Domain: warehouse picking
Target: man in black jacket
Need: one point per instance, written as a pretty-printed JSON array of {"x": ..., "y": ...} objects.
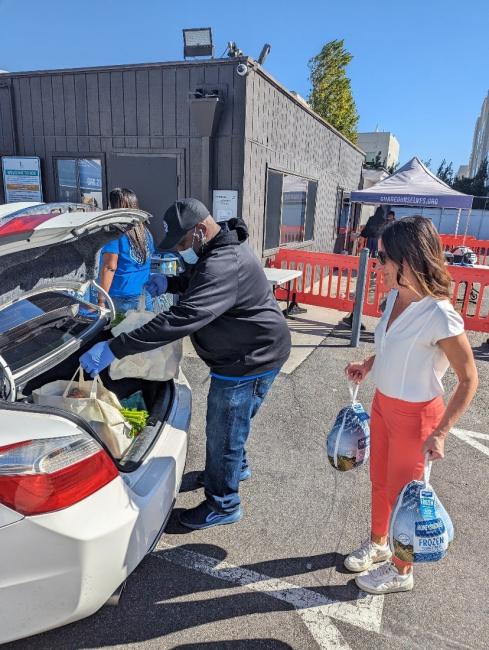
[
  {"x": 227, "y": 308},
  {"x": 373, "y": 229}
]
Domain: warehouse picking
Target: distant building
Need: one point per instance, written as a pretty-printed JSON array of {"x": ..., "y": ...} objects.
[
  {"x": 380, "y": 141},
  {"x": 463, "y": 172},
  {"x": 480, "y": 143}
]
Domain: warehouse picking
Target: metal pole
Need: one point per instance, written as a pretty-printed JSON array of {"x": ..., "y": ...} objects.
[
  {"x": 347, "y": 227},
  {"x": 467, "y": 225},
  {"x": 458, "y": 220},
  {"x": 359, "y": 298}
]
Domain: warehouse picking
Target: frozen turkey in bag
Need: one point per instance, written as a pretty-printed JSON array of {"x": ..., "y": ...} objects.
[
  {"x": 348, "y": 442},
  {"x": 420, "y": 529}
]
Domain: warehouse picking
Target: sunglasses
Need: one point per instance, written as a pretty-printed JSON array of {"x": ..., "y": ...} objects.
[{"x": 382, "y": 257}]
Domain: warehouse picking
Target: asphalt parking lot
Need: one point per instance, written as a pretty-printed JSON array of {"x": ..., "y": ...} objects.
[{"x": 276, "y": 579}]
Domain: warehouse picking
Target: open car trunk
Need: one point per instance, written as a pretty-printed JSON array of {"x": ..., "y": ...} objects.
[
  {"x": 157, "y": 397},
  {"x": 47, "y": 319}
]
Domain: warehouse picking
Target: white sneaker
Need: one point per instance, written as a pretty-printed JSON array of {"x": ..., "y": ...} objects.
[
  {"x": 385, "y": 579},
  {"x": 366, "y": 556}
]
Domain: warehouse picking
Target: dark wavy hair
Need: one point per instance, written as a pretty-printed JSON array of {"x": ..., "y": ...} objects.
[
  {"x": 121, "y": 197},
  {"x": 414, "y": 241}
]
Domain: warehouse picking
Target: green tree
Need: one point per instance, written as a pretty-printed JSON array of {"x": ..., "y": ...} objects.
[
  {"x": 477, "y": 186},
  {"x": 331, "y": 96},
  {"x": 445, "y": 172},
  {"x": 479, "y": 182}
]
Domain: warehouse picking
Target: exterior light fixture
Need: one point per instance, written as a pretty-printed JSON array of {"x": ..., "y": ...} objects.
[{"x": 197, "y": 42}]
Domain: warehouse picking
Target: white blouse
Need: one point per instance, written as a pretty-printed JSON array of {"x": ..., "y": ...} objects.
[{"x": 409, "y": 365}]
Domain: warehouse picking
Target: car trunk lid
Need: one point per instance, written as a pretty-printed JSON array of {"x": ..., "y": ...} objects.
[{"x": 42, "y": 250}]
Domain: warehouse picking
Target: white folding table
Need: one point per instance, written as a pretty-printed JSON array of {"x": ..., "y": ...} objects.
[{"x": 280, "y": 277}]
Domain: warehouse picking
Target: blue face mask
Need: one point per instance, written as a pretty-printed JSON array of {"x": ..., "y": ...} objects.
[{"x": 189, "y": 256}]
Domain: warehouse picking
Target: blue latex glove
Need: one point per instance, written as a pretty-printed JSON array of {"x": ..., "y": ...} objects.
[
  {"x": 156, "y": 285},
  {"x": 97, "y": 358}
]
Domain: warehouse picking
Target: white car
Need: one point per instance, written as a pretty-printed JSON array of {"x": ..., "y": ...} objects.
[{"x": 74, "y": 522}]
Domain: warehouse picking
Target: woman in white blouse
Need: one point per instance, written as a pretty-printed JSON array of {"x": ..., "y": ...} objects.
[{"x": 418, "y": 337}]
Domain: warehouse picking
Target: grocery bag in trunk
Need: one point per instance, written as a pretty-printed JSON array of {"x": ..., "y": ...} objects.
[
  {"x": 94, "y": 403},
  {"x": 348, "y": 442},
  {"x": 160, "y": 364},
  {"x": 420, "y": 529}
]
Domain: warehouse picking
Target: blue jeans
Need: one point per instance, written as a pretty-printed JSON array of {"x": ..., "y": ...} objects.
[{"x": 231, "y": 405}]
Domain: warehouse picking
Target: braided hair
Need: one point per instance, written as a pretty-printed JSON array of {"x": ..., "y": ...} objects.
[{"x": 121, "y": 197}]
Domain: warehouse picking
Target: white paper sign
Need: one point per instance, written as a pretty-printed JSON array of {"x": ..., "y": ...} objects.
[
  {"x": 22, "y": 179},
  {"x": 224, "y": 204}
]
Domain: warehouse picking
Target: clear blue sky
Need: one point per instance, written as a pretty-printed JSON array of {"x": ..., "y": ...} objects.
[{"x": 421, "y": 68}]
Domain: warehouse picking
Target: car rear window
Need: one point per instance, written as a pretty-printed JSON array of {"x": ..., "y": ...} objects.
[{"x": 32, "y": 328}]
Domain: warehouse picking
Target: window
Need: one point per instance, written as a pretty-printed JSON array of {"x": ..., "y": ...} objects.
[
  {"x": 80, "y": 180},
  {"x": 341, "y": 210},
  {"x": 290, "y": 211}
]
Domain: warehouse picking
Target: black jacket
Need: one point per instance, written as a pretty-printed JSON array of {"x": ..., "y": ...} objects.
[
  {"x": 226, "y": 306},
  {"x": 374, "y": 225}
]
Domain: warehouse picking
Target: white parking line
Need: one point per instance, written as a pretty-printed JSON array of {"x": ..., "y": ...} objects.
[
  {"x": 315, "y": 610},
  {"x": 472, "y": 438}
]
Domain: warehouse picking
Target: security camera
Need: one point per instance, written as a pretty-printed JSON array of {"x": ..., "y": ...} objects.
[{"x": 242, "y": 70}]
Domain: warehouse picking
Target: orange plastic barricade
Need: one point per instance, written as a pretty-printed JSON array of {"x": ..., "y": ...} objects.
[
  {"x": 329, "y": 280},
  {"x": 470, "y": 296},
  {"x": 375, "y": 290},
  {"x": 481, "y": 249},
  {"x": 479, "y": 246}
]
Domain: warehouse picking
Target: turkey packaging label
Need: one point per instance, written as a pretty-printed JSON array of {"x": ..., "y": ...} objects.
[{"x": 420, "y": 528}]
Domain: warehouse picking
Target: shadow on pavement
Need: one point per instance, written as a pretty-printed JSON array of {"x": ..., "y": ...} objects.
[
  {"x": 342, "y": 331},
  {"x": 162, "y": 598},
  {"x": 482, "y": 352},
  {"x": 189, "y": 482},
  {"x": 265, "y": 644}
]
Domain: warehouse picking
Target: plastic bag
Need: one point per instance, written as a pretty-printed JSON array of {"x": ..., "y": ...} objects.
[
  {"x": 160, "y": 364},
  {"x": 348, "y": 442},
  {"x": 420, "y": 529},
  {"x": 94, "y": 403}
]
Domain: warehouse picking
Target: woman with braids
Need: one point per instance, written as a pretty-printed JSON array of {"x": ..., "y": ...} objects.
[
  {"x": 125, "y": 262},
  {"x": 418, "y": 337}
]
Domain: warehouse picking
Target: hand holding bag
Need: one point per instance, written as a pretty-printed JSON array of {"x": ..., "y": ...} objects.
[
  {"x": 160, "y": 364},
  {"x": 420, "y": 529}
]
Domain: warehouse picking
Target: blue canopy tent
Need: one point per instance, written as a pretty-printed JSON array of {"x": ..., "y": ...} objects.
[{"x": 416, "y": 186}]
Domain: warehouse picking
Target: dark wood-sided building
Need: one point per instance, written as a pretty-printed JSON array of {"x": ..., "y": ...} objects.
[{"x": 221, "y": 130}]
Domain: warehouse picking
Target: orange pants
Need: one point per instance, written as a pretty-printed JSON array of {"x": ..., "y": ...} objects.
[{"x": 398, "y": 430}]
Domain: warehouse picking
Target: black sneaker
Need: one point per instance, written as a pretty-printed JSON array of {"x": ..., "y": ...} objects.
[
  {"x": 348, "y": 320},
  {"x": 203, "y": 516}
]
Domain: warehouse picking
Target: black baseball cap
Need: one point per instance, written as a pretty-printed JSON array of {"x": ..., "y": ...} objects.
[{"x": 181, "y": 217}]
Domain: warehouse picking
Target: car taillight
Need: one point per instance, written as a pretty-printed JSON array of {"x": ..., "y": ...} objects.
[
  {"x": 22, "y": 225},
  {"x": 40, "y": 476}
]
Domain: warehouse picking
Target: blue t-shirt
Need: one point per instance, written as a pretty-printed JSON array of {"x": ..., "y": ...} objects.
[{"x": 130, "y": 275}]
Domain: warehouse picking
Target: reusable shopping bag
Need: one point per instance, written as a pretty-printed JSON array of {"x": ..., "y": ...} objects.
[
  {"x": 94, "y": 403},
  {"x": 420, "y": 529},
  {"x": 348, "y": 442},
  {"x": 160, "y": 364}
]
